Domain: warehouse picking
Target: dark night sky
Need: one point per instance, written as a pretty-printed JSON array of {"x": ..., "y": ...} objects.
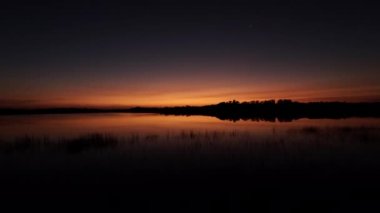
[{"x": 187, "y": 52}]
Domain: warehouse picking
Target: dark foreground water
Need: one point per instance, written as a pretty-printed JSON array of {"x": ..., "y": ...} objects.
[{"x": 151, "y": 163}]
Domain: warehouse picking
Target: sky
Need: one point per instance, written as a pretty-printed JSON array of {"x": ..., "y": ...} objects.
[{"x": 165, "y": 53}]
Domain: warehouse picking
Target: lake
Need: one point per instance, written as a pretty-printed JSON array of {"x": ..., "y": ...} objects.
[
  {"x": 123, "y": 124},
  {"x": 146, "y": 162}
]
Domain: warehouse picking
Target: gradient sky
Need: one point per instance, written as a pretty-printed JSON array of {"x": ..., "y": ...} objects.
[{"x": 155, "y": 53}]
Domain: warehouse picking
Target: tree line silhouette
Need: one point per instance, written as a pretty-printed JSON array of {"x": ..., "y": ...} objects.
[{"x": 269, "y": 110}]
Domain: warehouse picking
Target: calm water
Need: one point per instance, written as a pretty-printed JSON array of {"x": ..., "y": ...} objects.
[
  {"x": 198, "y": 141},
  {"x": 145, "y": 162},
  {"x": 124, "y": 124}
]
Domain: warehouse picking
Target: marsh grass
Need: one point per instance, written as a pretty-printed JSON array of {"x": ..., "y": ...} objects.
[
  {"x": 305, "y": 147},
  {"x": 30, "y": 144}
]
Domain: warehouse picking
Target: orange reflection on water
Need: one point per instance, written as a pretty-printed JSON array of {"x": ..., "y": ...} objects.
[{"x": 121, "y": 124}]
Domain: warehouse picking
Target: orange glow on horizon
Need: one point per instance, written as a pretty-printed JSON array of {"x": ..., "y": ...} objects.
[
  {"x": 198, "y": 98},
  {"x": 191, "y": 92}
]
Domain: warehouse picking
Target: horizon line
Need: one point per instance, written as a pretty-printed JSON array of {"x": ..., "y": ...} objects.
[{"x": 125, "y": 107}]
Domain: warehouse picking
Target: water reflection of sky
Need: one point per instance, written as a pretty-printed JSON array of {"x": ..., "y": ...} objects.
[{"x": 121, "y": 124}]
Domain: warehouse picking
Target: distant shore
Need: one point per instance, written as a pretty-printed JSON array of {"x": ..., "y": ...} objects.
[{"x": 282, "y": 110}]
